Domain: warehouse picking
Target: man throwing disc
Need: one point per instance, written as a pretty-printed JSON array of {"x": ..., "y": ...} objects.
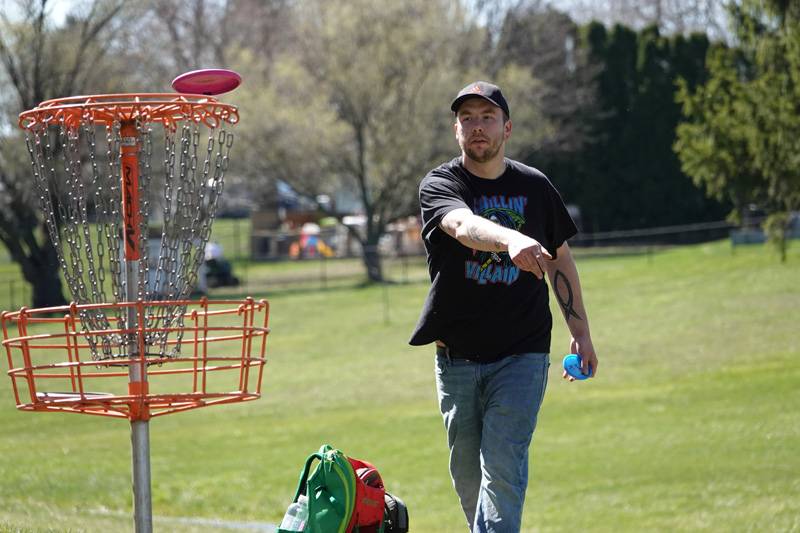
[{"x": 493, "y": 228}]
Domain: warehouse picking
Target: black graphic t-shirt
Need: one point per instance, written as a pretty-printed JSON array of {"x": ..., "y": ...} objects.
[{"x": 480, "y": 304}]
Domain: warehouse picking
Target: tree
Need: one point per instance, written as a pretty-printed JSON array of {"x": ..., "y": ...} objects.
[
  {"x": 670, "y": 16},
  {"x": 41, "y": 60},
  {"x": 197, "y": 34},
  {"x": 547, "y": 42},
  {"x": 741, "y": 134},
  {"x": 623, "y": 173},
  {"x": 361, "y": 104}
]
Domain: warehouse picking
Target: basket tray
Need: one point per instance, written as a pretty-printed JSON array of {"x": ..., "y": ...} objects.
[{"x": 216, "y": 355}]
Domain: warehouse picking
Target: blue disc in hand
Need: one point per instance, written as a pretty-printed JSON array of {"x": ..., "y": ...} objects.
[{"x": 572, "y": 365}]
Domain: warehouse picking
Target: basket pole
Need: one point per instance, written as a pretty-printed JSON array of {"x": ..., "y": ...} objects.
[{"x": 137, "y": 370}]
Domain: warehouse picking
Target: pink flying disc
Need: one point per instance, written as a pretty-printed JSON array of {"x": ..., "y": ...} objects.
[{"x": 208, "y": 81}]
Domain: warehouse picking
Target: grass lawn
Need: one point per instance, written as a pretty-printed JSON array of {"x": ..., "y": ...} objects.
[{"x": 691, "y": 425}]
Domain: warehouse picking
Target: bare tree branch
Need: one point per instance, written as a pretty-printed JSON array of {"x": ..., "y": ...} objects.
[{"x": 43, "y": 60}]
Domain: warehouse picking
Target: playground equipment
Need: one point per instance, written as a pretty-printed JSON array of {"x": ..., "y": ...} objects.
[{"x": 130, "y": 228}]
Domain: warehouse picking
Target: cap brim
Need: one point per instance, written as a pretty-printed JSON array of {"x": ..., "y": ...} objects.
[{"x": 460, "y": 100}]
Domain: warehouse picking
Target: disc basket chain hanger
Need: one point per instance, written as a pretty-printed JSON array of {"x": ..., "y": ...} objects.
[
  {"x": 130, "y": 223},
  {"x": 84, "y": 196}
]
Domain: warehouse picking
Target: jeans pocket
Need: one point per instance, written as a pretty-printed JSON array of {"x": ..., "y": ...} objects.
[{"x": 546, "y": 373}]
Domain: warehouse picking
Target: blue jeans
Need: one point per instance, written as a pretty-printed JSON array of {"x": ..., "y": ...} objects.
[{"x": 490, "y": 412}]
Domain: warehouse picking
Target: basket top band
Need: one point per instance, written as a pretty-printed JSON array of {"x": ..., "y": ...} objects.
[{"x": 164, "y": 108}]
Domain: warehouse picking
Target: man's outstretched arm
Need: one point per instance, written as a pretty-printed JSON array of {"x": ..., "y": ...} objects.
[{"x": 478, "y": 233}]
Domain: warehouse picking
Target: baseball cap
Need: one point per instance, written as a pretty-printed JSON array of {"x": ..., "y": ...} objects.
[{"x": 482, "y": 89}]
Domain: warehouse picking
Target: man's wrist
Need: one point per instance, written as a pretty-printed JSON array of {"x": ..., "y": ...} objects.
[{"x": 583, "y": 335}]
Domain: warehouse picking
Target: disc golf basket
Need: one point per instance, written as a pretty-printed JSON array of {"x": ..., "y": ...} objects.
[{"x": 128, "y": 185}]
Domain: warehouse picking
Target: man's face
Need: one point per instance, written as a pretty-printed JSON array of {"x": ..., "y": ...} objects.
[{"x": 480, "y": 129}]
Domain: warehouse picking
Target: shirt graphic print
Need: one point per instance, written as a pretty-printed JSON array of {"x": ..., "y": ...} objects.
[{"x": 496, "y": 267}]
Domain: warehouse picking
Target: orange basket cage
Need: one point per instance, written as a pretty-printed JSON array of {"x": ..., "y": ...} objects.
[
  {"x": 166, "y": 108},
  {"x": 219, "y": 358}
]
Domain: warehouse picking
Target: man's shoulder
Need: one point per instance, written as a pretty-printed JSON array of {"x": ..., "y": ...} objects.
[
  {"x": 448, "y": 169},
  {"x": 532, "y": 177},
  {"x": 526, "y": 170},
  {"x": 449, "y": 173}
]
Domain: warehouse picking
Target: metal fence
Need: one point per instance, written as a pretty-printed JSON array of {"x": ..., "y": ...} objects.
[
  {"x": 665, "y": 235},
  {"x": 14, "y": 293},
  {"x": 271, "y": 261}
]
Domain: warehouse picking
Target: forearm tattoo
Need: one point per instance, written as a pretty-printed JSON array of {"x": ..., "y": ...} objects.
[
  {"x": 563, "y": 290},
  {"x": 480, "y": 233}
]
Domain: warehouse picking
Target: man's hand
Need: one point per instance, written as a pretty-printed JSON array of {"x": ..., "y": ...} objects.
[
  {"x": 482, "y": 234},
  {"x": 528, "y": 254},
  {"x": 583, "y": 347}
]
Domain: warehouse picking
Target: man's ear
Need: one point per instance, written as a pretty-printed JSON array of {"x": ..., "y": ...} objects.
[{"x": 507, "y": 127}]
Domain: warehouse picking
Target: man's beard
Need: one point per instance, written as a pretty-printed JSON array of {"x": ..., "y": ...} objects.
[{"x": 488, "y": 153}]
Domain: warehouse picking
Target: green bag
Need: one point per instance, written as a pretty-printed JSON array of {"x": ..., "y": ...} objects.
[{"x": 331, "y": 491}]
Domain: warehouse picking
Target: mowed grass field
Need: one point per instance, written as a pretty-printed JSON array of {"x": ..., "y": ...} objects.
[{"x": 692, "y": 424}]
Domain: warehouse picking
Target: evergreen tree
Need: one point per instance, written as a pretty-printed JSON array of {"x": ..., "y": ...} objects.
[
  {"x": 741, "y": 137},
  {"x": 631, "y": 177}
]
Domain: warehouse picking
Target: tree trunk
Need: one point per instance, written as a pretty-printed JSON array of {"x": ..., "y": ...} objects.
[
  {"x": 47, "y": 289},
  {"x": 39, "y": 268},
  {"x": 372, "y": 261},
  {"x": 370, "y": 255}
]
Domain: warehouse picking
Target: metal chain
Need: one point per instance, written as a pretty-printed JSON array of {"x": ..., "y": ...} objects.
[
  {"x": 164, "y": 260},
  {"x": 190, "y": 216},
  {"x": 96, "y": 319},
  {"x": 77, "y": 215},
  {"x": 166, "y": 202},
  {"x": 80, "y": 198},
  {"x": 143, "y": 158},
  {"x": 114, "y": 209},
  {"x": 100, "y": 220},
  {"x": 33, "y": 141},
  {"x": 89, "y": 245}
]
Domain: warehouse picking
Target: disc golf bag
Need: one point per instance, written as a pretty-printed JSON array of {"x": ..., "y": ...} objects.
[
  {"x": 395, "y": 515},
  {"x": 344, "y": 495}
]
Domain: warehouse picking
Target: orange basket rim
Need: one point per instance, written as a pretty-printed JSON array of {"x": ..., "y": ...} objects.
[{"x": 167, "y": 108}]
